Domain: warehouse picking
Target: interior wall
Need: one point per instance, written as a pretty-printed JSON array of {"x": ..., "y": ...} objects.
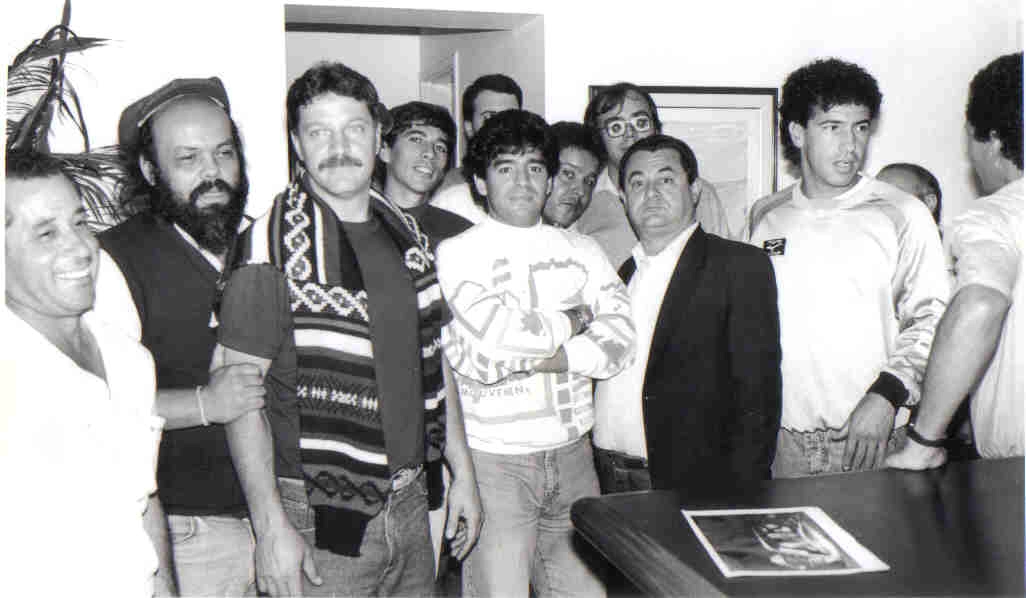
[
  {"x": 518, "y": 53},
  {"x": 153, "y": 43},
  {"x": 392, "y": 62},
  {"x": 923, "y": 54}
]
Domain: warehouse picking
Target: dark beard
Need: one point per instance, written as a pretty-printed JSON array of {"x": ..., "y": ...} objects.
[{"x": 214, "y": 227}]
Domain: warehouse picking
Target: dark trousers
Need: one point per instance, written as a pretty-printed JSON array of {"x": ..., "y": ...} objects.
[{"x": 620, "y": 472}]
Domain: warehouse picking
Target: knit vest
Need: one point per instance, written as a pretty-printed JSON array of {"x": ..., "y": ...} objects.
[{"x": 173, "y": 288}]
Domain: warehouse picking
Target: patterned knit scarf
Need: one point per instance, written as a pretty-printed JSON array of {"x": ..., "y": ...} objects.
[{"x": 343, "y": 377}]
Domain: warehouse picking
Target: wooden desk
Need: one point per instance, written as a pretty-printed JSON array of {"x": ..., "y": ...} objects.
[{"x": 957, "y": 530}]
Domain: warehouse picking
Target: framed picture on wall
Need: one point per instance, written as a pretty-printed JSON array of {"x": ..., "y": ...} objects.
[{"x": 732, "y": 131}]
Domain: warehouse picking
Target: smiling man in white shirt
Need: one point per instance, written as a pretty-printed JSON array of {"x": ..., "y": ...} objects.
[{"x": 78, "y": 437}]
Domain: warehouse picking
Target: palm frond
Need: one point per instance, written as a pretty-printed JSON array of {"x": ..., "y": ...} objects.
[
  {"x": 44, "y": 47},
  {"x": 97, "y": 175},
  {"x": 38, "y": 71}
]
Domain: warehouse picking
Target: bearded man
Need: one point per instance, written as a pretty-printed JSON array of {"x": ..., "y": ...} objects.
[{"x": 185, "y": 194}]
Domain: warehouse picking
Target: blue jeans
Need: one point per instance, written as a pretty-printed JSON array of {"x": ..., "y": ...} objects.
[
  {"x": 802, "y": 454},
  {"x": 395, "y": 556},
  {"x": 213, "y": 555},
  {"x": 527, "y": 537}
]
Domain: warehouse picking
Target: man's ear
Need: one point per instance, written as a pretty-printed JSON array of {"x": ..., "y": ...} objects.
[
  {"x": 797, "y": 132},
  {"x": 480, "y": 185},
  {"x": 468, "y": 129},
  {"x": 385, "y": 153},
  {"x": 994, "y": 145},
  {"x": 149, "y": 171},
  {"x": 696, "y": 190},
  {"x": 930, "y": 199}
]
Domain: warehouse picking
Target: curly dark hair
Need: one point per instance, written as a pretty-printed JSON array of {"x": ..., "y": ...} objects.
[
  {"x": 570, "y": 134},
  {"x": 511, "y": 132},
  {"x": 995, "y": 105},
  {"x": 495, "y": 82},
  {"x": 333, "y": 77},
  {"x": 611, "y": 98},
  {"x": 657, "y": 142},
  {"x": 823, "y": 83}
]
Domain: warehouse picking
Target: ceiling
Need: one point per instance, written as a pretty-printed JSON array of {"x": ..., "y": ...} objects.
[{"x": 404, "y": 21}]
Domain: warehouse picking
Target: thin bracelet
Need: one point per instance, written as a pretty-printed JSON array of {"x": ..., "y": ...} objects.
[
  {"x": 199, "y": 401},
  {"x": 914, "y": 436}
]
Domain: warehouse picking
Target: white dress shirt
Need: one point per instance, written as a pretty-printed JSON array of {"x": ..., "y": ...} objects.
[{"x": 619, "y": 420}]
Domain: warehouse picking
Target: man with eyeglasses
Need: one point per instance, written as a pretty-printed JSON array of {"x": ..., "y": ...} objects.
[{"x": 623, "y": 114}]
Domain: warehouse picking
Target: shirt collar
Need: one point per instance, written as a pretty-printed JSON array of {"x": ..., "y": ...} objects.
[{"x": 669, "y": 254}]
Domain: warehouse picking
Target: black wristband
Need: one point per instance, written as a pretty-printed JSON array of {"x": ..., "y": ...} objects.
[
  {"x": 914, "y": 436},
  {"x": 889, "y": 387}
]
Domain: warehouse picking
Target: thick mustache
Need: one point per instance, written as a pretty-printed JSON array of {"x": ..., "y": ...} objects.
[
  {"x": 339, "y": 161},
  {"x": 207, "y": 186}
]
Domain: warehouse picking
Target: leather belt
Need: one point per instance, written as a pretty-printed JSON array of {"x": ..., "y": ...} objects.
[{"x": 405, "y": 476}]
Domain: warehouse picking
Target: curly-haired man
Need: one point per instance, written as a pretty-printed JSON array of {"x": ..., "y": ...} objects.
[
  {"x": 538, "y": 312},
  {"x": 979, "y": 339},
  {"x": 861, "y": 280}
]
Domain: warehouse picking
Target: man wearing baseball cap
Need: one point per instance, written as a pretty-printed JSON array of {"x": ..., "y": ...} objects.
[{"x": 184, "y": 195}]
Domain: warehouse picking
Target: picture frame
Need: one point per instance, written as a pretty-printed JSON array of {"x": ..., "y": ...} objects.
[{"x": 733, "y": 132}]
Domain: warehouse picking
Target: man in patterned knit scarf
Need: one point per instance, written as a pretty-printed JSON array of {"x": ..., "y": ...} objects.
[
  {"x": 538, "y": 312},
  {"x": 335, "y": 297}
]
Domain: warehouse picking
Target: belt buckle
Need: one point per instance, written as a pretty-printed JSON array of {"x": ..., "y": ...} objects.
[{"x": 404, "y": 477}]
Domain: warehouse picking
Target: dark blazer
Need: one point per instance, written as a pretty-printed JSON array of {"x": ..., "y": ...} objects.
[{"x": 711, "y": 395}]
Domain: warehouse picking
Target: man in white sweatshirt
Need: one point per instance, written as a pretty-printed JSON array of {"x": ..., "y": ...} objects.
[
  {"x": 537, "y": 313},
  {"x": 860, "y": 276}
]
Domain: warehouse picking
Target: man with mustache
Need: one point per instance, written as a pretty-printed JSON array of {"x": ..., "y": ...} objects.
[
  {"x": 860, "y": 277},
  {"x": 335, "y": 294},
  {"x": 581, "y": 155},
  {"x": 185, "y": 193}
]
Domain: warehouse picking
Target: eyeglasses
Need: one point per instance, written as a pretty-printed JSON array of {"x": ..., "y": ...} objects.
[{"x": 617, "y": 127}]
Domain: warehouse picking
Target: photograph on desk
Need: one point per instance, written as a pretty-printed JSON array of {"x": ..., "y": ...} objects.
[{"x": 780, "y": 542}]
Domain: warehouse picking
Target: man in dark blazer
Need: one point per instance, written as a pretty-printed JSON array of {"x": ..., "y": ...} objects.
[{"x": 701, "y": 405}]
